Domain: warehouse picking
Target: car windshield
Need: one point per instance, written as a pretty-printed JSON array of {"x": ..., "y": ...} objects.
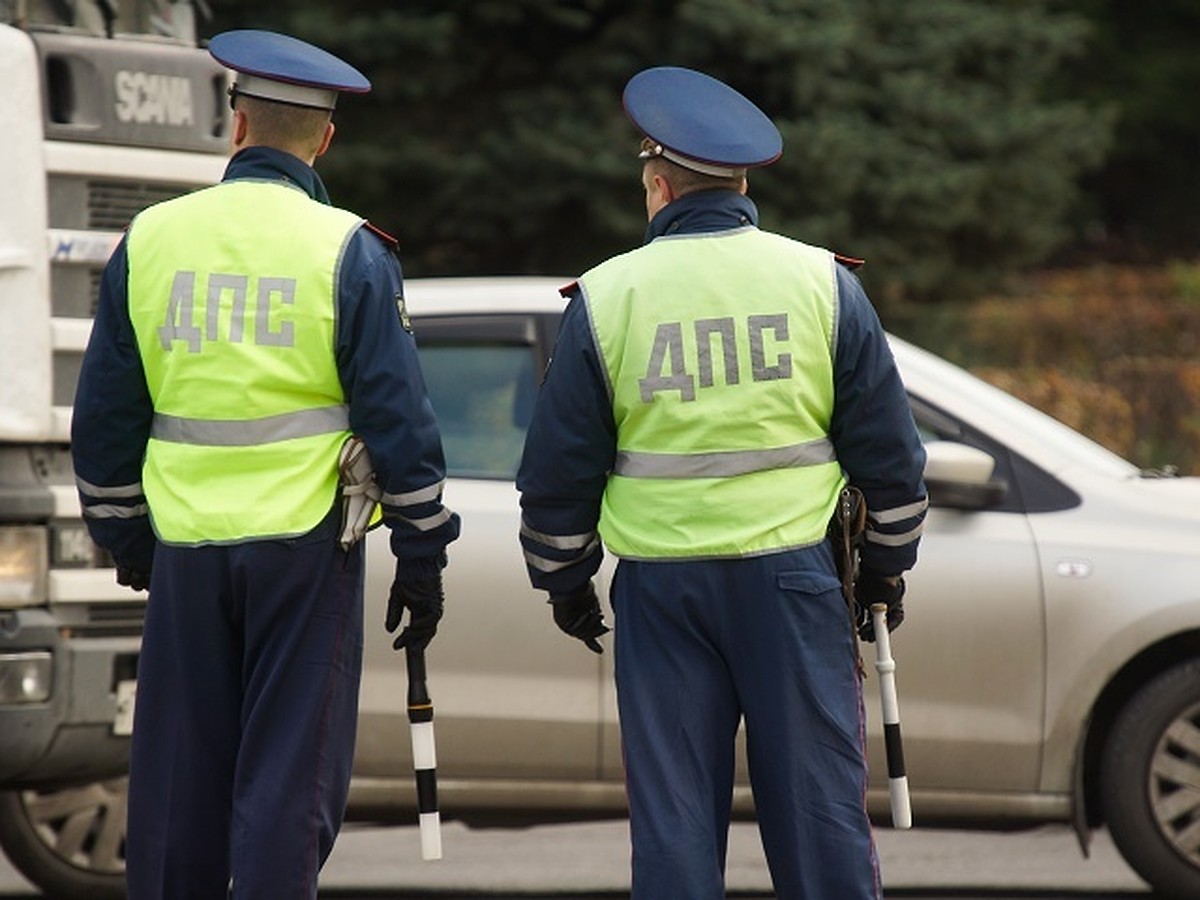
[
  {"x": 1005, "y": 418},
  {"x": 138, "y": 18}
]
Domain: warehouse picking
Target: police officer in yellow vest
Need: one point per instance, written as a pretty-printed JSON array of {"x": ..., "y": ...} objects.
[
  {"x": 710, "y": 394},
  {"x": 244, "y": 332}
]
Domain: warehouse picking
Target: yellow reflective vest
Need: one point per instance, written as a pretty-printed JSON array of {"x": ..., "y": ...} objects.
[
  {"x": 237, "y": 334},
  {"x": 718, "y": 350}
]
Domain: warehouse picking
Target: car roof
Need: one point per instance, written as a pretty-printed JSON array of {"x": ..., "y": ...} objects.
[{"x": 481, "y": 295}]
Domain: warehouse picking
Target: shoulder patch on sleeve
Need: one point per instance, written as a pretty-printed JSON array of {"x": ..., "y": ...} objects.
[
  {"x": 850, "y": 262},
  {"x": 402, "y": 309},
  {"x": 568, "y": 289},
  {"x": 392, "y": 243}
]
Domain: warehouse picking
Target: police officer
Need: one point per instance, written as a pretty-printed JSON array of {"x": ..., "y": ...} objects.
[
  {"x": 244, "y": 333},
  {"x": 709, "y": 395}
]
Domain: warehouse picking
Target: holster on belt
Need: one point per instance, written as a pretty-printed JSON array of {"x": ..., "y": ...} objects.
[{"x": 846, "y": 530}]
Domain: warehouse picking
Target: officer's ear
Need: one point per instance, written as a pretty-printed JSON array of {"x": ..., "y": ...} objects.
[
  {"x": 659, "y": 191},
  {"x": 237, "y": 136},
  {"x": 326, "y": 138},
  {"x": 665, "y": 189}
]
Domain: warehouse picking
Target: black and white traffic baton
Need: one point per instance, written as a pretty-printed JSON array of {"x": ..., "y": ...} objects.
[
  {"x": 886, "y": 667},
  {"x": 420, "y": 718}
]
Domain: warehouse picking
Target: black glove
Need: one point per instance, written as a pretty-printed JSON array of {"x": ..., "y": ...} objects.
[
  {"x": 134, "y": 579},
  {"x": 424, "y": 601},
  {"x": 870, "y": 588},
  {"x": 578, "y": 614}
]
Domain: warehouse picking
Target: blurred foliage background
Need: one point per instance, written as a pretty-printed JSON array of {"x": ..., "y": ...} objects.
[{"x": 1019, "y": 174}]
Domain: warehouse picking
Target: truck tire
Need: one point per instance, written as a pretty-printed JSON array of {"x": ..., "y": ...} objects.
[
  {"x": 1150, "y": 782},
  {"x": 70, "y": 842}
]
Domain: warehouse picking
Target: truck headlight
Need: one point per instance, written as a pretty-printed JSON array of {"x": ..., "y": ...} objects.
[
  {"x": 23, "y": 565},
  {"x": 25, "y": 677}
]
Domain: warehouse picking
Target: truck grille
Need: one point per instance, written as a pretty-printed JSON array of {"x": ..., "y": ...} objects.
[
  {"x": 104, "y": 204},
  {"x": 101, "y": 620},
  {"x": 97, "y": 204},
  {"x": 113, "y": 204}
]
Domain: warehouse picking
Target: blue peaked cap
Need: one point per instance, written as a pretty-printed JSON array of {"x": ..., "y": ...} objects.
[
  {"x": 285, "y": 69},
  {"x": 699, "y": 122}
]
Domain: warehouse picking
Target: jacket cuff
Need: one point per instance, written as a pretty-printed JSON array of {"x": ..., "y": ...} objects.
[{"x": 421, "y": 568}]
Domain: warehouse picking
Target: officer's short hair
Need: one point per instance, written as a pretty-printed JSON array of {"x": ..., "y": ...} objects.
[{"x": 284, "y": 125}]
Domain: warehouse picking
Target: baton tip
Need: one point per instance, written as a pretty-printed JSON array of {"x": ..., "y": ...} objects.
[{"x": 431, "y": 835}]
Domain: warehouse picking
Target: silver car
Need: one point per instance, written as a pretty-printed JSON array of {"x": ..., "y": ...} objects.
[{"x": 1048, "y": 669}]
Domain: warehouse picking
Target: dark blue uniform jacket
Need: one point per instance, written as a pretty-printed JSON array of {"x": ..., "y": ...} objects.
[
  {"x": 377, "y": 364},
  {"x": 571, "y": 444}
]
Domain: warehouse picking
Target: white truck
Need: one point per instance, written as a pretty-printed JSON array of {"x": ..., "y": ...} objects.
[{"x": 107, "y": 106}]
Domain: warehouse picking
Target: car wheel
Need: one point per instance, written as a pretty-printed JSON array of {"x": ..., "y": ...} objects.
[
  {"x": 70, "y": 842},
  {"x": 1150, "y": 782}
]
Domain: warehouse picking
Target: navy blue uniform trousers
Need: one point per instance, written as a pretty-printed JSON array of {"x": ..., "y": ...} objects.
[
  {"x": 700, "y": 645},
  {"x": 244, "y": 727}
]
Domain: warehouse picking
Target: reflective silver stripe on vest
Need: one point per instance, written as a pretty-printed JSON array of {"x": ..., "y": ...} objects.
[
  {"x": 112, "y": 511},
  {"x": 722, "y": 464},
  {"x": 120, "y": 491},
  {"x": 412, "y": 498},
  {"x": 250, "y": 432}
]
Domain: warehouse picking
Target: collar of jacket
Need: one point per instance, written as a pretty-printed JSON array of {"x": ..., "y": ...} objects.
[
  {"x": 713, "y": 210},
  {"x": 269, "y": 164}
]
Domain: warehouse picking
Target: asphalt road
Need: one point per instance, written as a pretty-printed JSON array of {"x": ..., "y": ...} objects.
[{"x": 590, "y": 860}]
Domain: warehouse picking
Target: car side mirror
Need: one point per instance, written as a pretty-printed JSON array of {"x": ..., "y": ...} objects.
[{"x": 958, "y": 476}]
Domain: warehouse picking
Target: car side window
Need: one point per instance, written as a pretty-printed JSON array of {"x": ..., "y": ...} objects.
[{"x": 482, "y": 394}]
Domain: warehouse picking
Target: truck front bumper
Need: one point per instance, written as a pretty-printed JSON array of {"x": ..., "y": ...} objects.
[{"x": 64, "y": 710}]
